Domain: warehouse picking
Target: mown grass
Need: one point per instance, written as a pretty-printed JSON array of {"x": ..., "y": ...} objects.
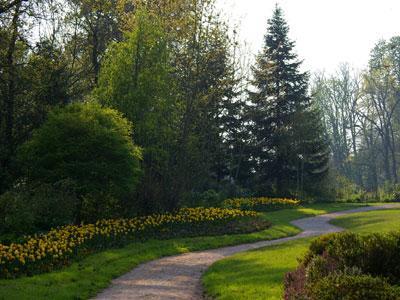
[
  {"x": 254, "y": 275},
  {"x": 372, "y": 221},
  {"x": 90, "y": 275},
  {"x": 259, "y": 274}
]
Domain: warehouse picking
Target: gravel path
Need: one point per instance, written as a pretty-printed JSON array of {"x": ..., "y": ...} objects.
[{"x": 179, "y": 277}]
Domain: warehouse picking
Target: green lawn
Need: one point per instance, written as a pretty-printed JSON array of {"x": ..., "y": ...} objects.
[
  {"x": 372, "y": 221},
  {"x": 259, "y": 274},
  {"x": 255, "y": 274},
  {"x": 93, "y": 273}
]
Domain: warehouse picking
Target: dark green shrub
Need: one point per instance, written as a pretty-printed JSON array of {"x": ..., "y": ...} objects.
[
  {"x": 90, "y": 147},
  {"x": 381, "y": 255},
  {"x": 320, "y": 266},
  {"x": 16, "y": 217},
  {"x": 341, "y": 261},
  {"x": 27, "y": 209},
  {"x": 52, "y": 204},
  {"x": 376, "y": 254},
  {"x": 208, "y": 198},
  {"x": 346, "y": 248},
  {"x": 318, "y": 246},
  {"x": 347, "y": 287}
]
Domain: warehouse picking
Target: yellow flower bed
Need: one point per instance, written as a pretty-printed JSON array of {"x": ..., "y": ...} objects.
[
  {"x": 44, "y": 252},
  {"x": 260, "y": 203}
]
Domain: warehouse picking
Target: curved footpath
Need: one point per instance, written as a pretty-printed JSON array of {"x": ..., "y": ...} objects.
[{"x": 179, "y": 277}]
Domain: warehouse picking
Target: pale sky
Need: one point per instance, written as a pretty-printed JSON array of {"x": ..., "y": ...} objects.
[{"x": 326, "y": 32}]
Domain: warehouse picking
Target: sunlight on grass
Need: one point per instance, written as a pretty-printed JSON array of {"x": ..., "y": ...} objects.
[
  {"x": 254, "y": 275},
  {"x": 372, "y": 221},
  {"x": 259, "y": 274},
  {"x": 88, "y": 276}
]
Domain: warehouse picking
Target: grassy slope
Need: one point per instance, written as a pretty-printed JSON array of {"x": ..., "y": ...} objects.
[
  {"x": 259, "y": 274},
  {"x": 372, "y": 221},
  {"x": 86, "y": 277}
]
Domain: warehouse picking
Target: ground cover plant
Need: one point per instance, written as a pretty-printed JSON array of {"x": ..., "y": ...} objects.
[
  {"x": 88, "y": 275},
  {"x": 259, "y": 274},
  {"x": 261, "y": 203},
  {"x": 58, "y": 247}
]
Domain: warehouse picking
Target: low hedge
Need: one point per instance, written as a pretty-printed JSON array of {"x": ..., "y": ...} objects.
[
  {"x": 60, "y": 246},
  {"x": 348, "y": 266},
  {"x": 260, "y": 203}
]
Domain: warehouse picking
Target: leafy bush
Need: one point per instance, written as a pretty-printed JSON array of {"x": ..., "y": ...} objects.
[
  {"x": 90, "y": 147},
  {"x": 375, "y": 254},
  {"x": 345, "y": 189},
  {"x": 27, "y": 209},
  {"x": 358, "y": 287},
  {"x": 58, "y": 247},
  {"x": 260, "y": 204},
  {"x": 340, "y": 266},
  {"x": 16, "y": 218},
  {"x": 208, "y": 198},
  {"x": 388, "y": 192}
]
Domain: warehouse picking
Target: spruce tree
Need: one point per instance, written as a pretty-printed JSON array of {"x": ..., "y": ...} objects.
[{"x": 289, "y": 148}]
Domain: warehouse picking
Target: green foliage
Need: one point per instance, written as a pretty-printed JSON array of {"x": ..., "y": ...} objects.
[
  {"x": 136, "y": 79},
  {"x": 28, "y": 209},
  {"x": 347, "y": 191},
  {"x": 16, "y": 218},
  {"x": 207, "y": 198},
  {"x": 389, "y": 192},
  {"x": 347, "y": 266},
  {"x": 361, "y": 116},
  {"x": 177, "y": 87},
  {"x": 261, "y": 203},
  {"x": 93, "y": 273},
  {"x": 344, "y": 189},
  {"x": 43, "y": 81},
  {"x": 347, "y": 287},
  {"x": 90, "y": 147},
  {"x": 259, "y": 274},
  {"x": 290, "y": 151},
  {"x": 60, "y": 246}
]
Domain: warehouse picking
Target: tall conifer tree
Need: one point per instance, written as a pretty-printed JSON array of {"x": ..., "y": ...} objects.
[{"x": 289, "y": 145}]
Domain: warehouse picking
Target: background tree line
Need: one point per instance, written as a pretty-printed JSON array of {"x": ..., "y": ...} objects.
[
  {"x": 166, "y": 65},
  {"x": 203, "y": 129},
  {"x": 361, "y": 114}
]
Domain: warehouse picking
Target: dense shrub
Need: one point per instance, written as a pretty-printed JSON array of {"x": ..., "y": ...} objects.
[
  {"x": 16, "y": 218},
  {"x": 92, "y": 148},
  {"x": 28, "y": 209},
  {"x": 261, "y": 203},
  {"x": 389, "y": 192},
  {"x": 44, "y": 252},
  {"x": 356, "y": 287},
  {"x": 348, "y": 266},
  {"x": 208, "y": 198},
  {"x": 376, "y": 254}
]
